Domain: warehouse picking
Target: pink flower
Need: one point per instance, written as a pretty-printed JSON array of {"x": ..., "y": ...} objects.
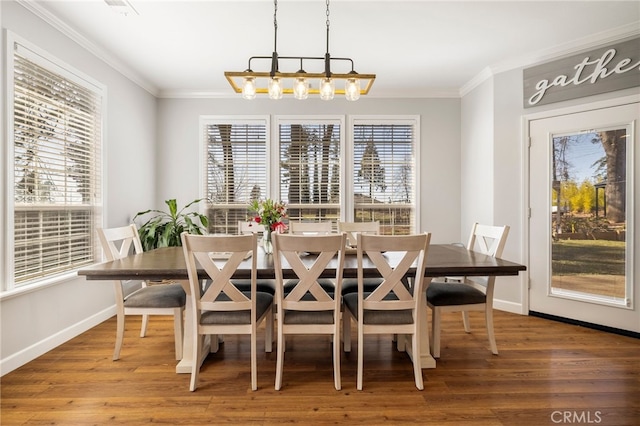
[{"x": 279, "y": 227}]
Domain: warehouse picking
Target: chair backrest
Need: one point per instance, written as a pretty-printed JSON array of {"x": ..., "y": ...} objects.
[
  {"x": 249, "y": 227},
  {"x": 308, "y": 256},
  {"x": 222, "y": 294},
  {"x": 488, "y": 239},
  {"x": 117, "y": 242},
  {"x": 392, "y": 293},
  {"x": 310, "y": 228},
  {"x": 352, "y": 229}
]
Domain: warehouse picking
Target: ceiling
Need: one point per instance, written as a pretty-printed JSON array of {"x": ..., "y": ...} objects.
[{"x": 416, "y": 48}]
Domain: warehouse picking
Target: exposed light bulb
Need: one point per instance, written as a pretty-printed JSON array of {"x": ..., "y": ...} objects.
[
  {"x": 275, "y": 88},
  {"x": 352, "y": 89},
  {"x": 301, "y": 88},
  {"x": 249, "y": 88},
  {"x": 327, "y": 89}
]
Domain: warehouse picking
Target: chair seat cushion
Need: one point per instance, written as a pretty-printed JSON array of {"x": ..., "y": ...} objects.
[
  {"x": 263, "y": 285},
  {"x": 448, "y": 294},
  {"x": 308, "y": 317},
  {"x": 263, "y": 302},
  {"x": 402, "y": 316},
  {"x": 350, "y": 285},
  {"x": 157, "y": 296}
]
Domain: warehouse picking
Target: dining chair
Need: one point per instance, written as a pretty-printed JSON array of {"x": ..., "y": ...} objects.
[
  {"x": 352, "y": 229},
  {"x": 453, "y": 294},
  {"x": 391, "y": 308},
  {"x": 249, "y": 227},
  {"x": 308, "y": 307},
  {"x": 222, "y": 308},
  {"x": 266, "y": 285},
  {"x": 310, "y": 228},
  {"x": 160, "y": 299}
]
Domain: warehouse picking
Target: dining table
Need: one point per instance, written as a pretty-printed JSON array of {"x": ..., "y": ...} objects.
[{"x": 168, "y": 263}]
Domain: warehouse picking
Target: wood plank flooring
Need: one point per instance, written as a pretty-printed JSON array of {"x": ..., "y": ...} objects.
[{"x": 546, "y": 373}]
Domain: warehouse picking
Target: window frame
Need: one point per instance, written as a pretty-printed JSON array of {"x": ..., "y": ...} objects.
[
  {"x": 411, "y": 120},
  {"x": 347, "y": 123},
  {"x": 54, "y": 65},
  {"x": 307, "y": 120},
  {"x": 207, "y": 120}
]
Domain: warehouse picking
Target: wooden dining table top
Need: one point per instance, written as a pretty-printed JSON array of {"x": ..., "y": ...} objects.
[{"x": 168, "y": 263}]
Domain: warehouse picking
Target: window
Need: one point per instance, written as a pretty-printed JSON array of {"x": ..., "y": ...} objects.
[
  {"x": 311, "y": 167},
  {"x": 384, "y": 174},
  {"x": 236, "y": 169},
  {"x": 56, "y": 144},
  {"x": 310, "y": 183}
]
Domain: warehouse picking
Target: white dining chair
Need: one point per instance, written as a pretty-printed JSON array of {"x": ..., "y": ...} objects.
[
  {"x": 222, "y": 308},
  {"x": 454, "y": 294},
  {"x": 160, "y": 299},
  {"x": 310, "y": 228},
  {"x": 391, "y": 308},
  {"x": 308, "y": 307}
]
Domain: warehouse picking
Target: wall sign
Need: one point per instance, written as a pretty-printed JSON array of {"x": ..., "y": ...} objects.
[{"x": 601, "y": 70}]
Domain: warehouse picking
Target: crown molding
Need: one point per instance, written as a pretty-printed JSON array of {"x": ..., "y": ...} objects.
[
  {"x": 571, "y": 47},
  {"x": 556, "y": 52},
  {"x": 420, "y": 94},
  {"x": 84, "y": 42}
]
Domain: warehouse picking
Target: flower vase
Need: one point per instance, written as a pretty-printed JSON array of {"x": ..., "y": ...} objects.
[{"x": 267, "y": 244}]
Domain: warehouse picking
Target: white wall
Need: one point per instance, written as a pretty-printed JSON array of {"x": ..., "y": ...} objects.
[
  {"x": 492, "y": 116},
  {"x": 179, "y": 156},
  {"x": 476, "y": 158},
  {"x": 34, "y": 322}
]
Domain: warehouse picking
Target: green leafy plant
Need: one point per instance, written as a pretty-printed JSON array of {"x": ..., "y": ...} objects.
[{"x": 164, "y": 228}]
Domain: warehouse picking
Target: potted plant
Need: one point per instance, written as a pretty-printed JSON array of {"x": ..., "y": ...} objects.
[{"x": 164, "y": 228}]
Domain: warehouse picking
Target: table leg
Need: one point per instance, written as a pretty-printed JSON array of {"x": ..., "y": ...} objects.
[
  {"x": 184, "y": 366},
  {"x": 426, "y": 359}
]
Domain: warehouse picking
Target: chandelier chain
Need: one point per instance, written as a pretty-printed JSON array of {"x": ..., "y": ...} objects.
[
  {"x": 327, "y": 23},
  {"x": 275, "y": 25}
]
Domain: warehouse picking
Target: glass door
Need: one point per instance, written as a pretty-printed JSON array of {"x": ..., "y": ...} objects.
[{"x": 582, "y": 215}]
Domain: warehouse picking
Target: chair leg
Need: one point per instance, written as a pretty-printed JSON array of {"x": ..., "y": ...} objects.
[
  {"x": 279, "y": 358},
  {"x": 346, "y": 331},
  {"x": 401, "y": 342},
  {"x": 254, "y": 357},
  {"x": 435, "y": 332},
  {"x": 465, "y": 321},
  {"x": 178, "y": 331},
  {"x": 360, "y": 355},
  {"x": 492, "y": 337},
  {"x": 417, "y": 367},
  {"x": 143, "y": 327},
  {"x": 120, "y": 320},
  {"x": 268, "y": 332},
  {"x": 336, "y": 356},
  {"x": 195, "y": 361}
]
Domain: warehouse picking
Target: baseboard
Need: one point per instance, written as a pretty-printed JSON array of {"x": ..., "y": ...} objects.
[
  {"x": 34, "y": 351},
  {"x": 586, "y": 324},
  {"x": 504, "y": 305}
]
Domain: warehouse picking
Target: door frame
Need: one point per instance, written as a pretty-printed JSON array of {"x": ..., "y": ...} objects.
[{"x": 526, "y": 143}]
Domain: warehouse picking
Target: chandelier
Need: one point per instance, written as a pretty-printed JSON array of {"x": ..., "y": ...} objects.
[{"x": 301, "y": 84}]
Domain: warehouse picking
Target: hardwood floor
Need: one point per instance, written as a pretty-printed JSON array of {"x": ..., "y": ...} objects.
[{"x": 546, "y": 373}]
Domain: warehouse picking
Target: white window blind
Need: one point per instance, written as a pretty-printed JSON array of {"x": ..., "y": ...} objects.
[
  {"x": 384, "y": 175},
  {"x": 310, "y": 176},
  {"x": 236, "y": 170},
  {"x": 57, "y": 174}
]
